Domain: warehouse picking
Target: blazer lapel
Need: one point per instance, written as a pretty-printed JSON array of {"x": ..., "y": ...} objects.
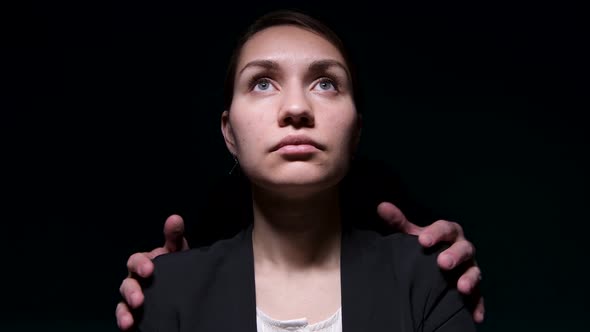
[
  {"x": 241, "y": 291},
  {"x": 358, "y": 284},
  {"x": 357, "y": 287}
]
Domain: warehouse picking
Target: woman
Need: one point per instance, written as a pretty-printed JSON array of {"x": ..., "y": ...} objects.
[{"x": 291, "y": 123}]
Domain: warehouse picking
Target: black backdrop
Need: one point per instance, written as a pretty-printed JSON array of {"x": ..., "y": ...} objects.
[{"x": 110, "y": 116}]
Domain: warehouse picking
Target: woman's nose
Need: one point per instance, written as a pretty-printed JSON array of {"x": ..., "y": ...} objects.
[{"x": 296, "y": 111}]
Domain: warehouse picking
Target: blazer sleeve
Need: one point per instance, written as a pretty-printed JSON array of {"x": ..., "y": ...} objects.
[
  {"x": 445, "y": 309},
  {"x": 158, "y": 313}
]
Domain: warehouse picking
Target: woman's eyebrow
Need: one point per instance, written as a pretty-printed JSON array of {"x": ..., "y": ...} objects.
[
  {"x": 265, "y": 64},
  {"x": 323, "y": 65}
]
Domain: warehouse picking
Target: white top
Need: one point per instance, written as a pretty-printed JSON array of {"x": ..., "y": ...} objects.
[{"x": 265, "y": 323}]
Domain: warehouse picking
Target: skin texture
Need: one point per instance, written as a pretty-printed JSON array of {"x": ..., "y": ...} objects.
[
  {"x": 270, "y": 104},
  {"x": 291, "y": 81},
  {"x": 290, "y": 97}
]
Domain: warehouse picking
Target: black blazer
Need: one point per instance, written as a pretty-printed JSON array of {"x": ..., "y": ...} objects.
[{"x": 389, "y": 283}]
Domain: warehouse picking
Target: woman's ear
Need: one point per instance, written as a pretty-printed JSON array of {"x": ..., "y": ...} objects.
[{"x": 228, "y": 134}]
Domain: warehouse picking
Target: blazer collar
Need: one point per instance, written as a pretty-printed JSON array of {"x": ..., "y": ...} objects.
[
  {"x": 242, "y": 309},
  {"x": 357, "y": 288}
]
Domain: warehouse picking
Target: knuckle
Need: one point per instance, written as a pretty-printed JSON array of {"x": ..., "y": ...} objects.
[
  {"x": 134, "y": 260},
  {"x": 124, "y": 287},
  {"x": 457, "y": 228},
  {"x": 446, "y": 226},
  {"x": 452, "y": 230},
  {"x": 476, "y": 272},
  {"x": 131, "y": 261},
  {"x": 469, "y": 249},
  {"x": 121, "y": 309},
  {"x": 130, "y": 286},
  {"x": 439, "y": 227}
]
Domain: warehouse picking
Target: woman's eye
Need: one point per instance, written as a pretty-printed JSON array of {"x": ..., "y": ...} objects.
[
  {"x": 326, "y": 85},
  {"x": 262, "y": 85}
]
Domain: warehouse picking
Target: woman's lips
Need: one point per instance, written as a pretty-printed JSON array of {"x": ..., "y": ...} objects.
[
  {"x": 297, "y": 146},
  {"x": 297, "y": 140},
  {"x": 298, "y": 149}
]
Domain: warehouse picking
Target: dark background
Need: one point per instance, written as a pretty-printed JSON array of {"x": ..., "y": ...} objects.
[{"x": 110, "y": 123}]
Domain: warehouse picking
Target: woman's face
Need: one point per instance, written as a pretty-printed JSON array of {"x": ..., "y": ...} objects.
[{"x": 292, "y": 122}]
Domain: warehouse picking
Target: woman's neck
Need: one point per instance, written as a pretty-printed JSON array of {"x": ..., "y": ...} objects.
[{"x": 295, "y": 234}]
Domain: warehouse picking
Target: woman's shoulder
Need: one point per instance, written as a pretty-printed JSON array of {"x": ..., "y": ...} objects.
[
  {"x": 407, "y": 245},
  {"x": 401, "y": 251},
  {"x": 399, "y": 273},
  {"x": 198, "y": 278},
  {"x": 397, "y": 241},
  {"x": 196, "y": 260}
]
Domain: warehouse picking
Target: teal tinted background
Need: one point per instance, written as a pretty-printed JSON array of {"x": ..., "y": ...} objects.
[{"x": 111, "y": 116}]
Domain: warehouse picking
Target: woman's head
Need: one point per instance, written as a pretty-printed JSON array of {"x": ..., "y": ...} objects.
[
  {"x": 281, "y": 18},
  {"x": 291, "y": 118}
]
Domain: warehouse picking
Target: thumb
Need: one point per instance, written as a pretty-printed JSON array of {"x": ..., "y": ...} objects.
[
  {"x": 174, "y": 234},
  {"x": 396, "y": 219}
]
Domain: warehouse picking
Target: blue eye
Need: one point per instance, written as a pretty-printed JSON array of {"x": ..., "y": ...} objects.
[
  {"x": 326, "y": 85},
  {"x": 262, "y": 84}
]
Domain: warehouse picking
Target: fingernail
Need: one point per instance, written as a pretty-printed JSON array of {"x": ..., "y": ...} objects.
[
  {"x": 134, "y": 299},
  {"x": 448, "y": 261},
  {"x": 481, "y": 315},
  {"x": 465, "y": 285},
  {"x": 428, "y": 240},
  {"x": 127, "y": 321}
]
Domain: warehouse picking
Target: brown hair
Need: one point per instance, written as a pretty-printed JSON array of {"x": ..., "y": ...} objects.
[{"x": 286, "y": 17}]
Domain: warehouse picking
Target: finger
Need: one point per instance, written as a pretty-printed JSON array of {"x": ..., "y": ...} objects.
[
  {"x": 156, "y": 252},
  {"x": 394, "y": 216},
  {"x": 141, "y": 264},
  {"x": 124, "y": 317},
  {"x": 131, "y": 291},
  {"x": 441, "y": 230},
  {"x": 479, "y": 312},
  {"x": 459, "y": 252},
  {"x": 174, "y": 234},
  {"x": 469, "y": 280}
]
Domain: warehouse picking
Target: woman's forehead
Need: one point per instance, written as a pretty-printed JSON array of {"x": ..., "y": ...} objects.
[{"x": 288, "y": 45}]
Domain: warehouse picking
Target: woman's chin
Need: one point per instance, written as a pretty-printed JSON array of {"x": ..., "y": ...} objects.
[
  {"x": 297, "y": 177},
  {"x": 301, "y": 184}
]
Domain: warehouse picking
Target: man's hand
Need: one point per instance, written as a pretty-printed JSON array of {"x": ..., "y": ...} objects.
[
  {"x": 140, "y": 264},
  {"x": 460, "y": 253}
]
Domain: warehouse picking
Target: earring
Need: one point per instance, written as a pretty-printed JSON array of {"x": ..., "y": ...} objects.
[{"x": 234, "y": 167}]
